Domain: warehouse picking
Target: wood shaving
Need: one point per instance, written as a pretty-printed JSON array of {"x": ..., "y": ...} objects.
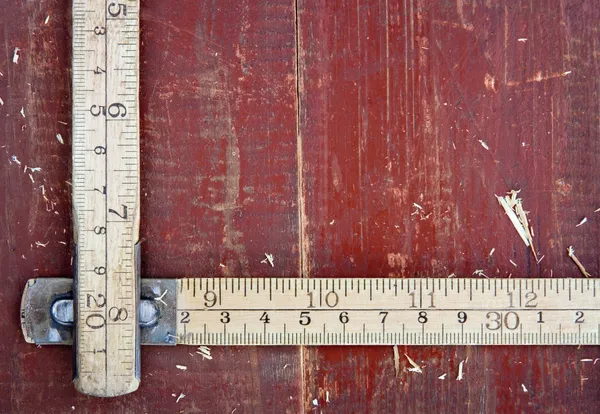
[
  {"x": 417, "y": 206},
  {"x": 1, "y": 101},
  {"x": 492, "y": 252},
  {"x": 326, "y": 396},
  {"x": 181, "y": 367},
  {"x": 40, "y": 244},
  {"x": 204, "y": 351},
  {"x": 60, "y": 139},
  {"x": 331, "y": 222},
  {"x": 47, "y": 20},
  {"x": 479, "y": 272},
  {"x": 586, "y": 360},
  {"x": 522, "y": 39},
  {"x": 583, "y": 221},
  {"x": 460, "y": 375},
  {"x": 415, "y": 367},
  {"x": 524, "y": 388},
  {"x": 540, "y": 259},
  {"x": 15, "y": 160},
  {"x": 484, "y": 145},
  {"x": 16, "y": 55},
  {"x": 451, "y": 275},
  {"x": 513, "y": 207},
  {"x": 182, "y": 395},
  {"x": 269, "y": 259},
  {"x": 597, "y": 210},
  {"x": 512, "y": 263},
  {"x": 443, "y": 376},
  {"x": 571, "y": 253},
  {"x": 22, "y": 112}
]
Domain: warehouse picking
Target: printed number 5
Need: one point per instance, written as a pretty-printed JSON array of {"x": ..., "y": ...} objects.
[{"x": 304, "y": 318}]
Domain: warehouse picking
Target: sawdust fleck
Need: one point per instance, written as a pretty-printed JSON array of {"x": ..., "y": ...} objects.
[
  {"x": 204, "y": 351},
  {"x": 414, "y": 366},
  {"x": 268, "y": 259},
  {"x": 460, "y": 375},
  {"x": 480, "y": 273}
]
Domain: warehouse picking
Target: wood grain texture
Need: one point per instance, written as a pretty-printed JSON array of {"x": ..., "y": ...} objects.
[
  {"x": 384, "y": 92},
  {"x": 396, "y": 100},
  {"x": 218, "y": 186}
]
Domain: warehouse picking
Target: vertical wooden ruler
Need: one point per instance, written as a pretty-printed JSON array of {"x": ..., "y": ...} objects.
[{"x": 106, "y": 194}]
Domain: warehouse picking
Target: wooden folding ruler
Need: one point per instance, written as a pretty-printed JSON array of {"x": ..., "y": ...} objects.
[{"x": 107, "y": 311}]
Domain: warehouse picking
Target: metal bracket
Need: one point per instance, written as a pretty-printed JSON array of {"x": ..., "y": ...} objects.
[{"x": 47, "y": 311}]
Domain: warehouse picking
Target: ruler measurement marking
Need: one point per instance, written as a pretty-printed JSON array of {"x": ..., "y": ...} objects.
[
  {"x": 325, "y": 325},
  {"x": 95, "y": 82}
]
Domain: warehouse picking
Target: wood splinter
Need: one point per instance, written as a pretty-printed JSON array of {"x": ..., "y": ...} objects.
[
  {"x": 571, "y": 253},
  {"x": 513, "y": 207}
]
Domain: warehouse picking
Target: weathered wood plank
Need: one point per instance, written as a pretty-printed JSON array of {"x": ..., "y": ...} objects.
[
  {"x": 396, "y": 101},
  {"x": 218, "y": 186}
]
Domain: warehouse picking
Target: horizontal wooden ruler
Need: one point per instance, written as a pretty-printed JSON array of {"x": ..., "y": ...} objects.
[
  {"x": 360, "y": 311},
  {"x": 285, "y": 311}
]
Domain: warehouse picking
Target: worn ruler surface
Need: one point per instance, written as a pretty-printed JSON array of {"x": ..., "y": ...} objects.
[
  {"x": 106, "y": 180},
  {"x": 227, "y": 311}
]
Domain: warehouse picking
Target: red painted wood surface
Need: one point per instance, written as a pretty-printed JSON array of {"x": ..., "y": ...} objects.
[{"x": 307, "y": 130}]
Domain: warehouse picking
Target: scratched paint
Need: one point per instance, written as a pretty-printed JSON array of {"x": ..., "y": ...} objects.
[{"x": 428, "y": 104}]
